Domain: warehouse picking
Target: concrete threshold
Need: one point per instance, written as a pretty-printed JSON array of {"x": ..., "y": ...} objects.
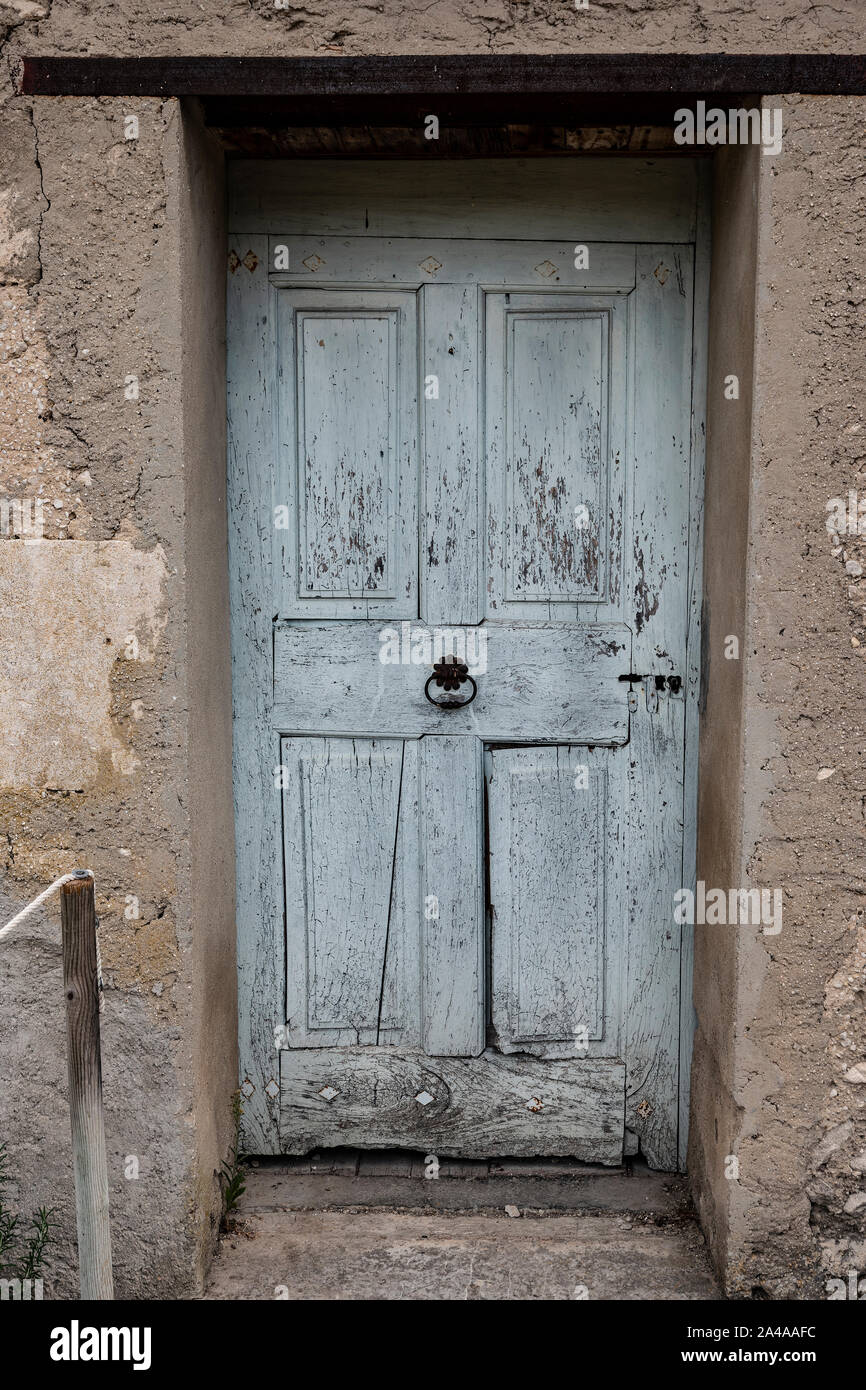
[
  {"x": 352, "y": 1226},
  {"x": 346, "y": 1179}
]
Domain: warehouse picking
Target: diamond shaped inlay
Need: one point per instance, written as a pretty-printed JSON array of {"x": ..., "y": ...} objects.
[
  {"x": 535, "y": 1105},
  {"x": 251, "y": 260},
  {"x": 328, "y": 1093},
  {"x": 431, "y": 265},
  {"x": 424, "y": 1097},
  {"x": 272, "y": 1089},
  {"x": 247, "y": 1087},
  {"x": 234, "y": 261},
  {"x": 313, "y": 263},
  {"x": 546, "y": 268}
]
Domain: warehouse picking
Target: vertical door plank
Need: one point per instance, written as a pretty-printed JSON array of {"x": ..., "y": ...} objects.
[
  {"x": 654, "y": 839},
  {"x": 260, "y": 944},
  {"x": 658, "y": 596},
  {"x": 451, "y": 552},
  {"x": 662, "y": 447},
  {"x": 452, "y": 896}
]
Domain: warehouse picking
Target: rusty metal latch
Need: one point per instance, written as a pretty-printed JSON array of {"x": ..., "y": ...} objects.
[
  {"x": 450, "y": 674},
  {"x": 652, "y": 685}
]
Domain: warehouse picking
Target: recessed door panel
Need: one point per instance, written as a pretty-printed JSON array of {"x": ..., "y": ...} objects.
[
  {"x": 554, "y": 921},
  {"x": 556, "y": 426},
  {"x": 346, "y": 487},
  {"x": 350, "y": 817}
]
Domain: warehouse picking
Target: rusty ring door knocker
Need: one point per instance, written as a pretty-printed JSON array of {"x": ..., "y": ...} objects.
[{"x": 450, "y": 674}]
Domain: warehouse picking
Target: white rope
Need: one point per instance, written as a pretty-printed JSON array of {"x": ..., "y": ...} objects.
[
  {"x": 46, "y": 893},
  {"x": 100, "y": 987}
]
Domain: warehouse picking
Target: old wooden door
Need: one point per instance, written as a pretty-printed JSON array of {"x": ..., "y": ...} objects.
[{"x": 477, "y": 446}]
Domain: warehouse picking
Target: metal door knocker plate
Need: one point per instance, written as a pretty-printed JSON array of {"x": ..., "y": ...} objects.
[{"x": 450, "y": 674}]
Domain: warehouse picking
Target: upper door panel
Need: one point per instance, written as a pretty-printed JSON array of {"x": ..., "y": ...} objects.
[
  {"x": 345, "y": 504},
  {"x": 555, "y": 448}
]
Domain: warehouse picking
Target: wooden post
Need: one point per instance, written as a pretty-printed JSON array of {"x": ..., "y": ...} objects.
[{"x": 81, "y": 987}]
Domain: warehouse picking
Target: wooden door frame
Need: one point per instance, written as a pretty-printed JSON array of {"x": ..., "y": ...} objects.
[
  {"x": 694, "y": 670},
  {"x": 597, "y": 204}
]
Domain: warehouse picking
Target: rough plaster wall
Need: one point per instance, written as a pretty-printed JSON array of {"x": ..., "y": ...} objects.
[
  {"x": 450, "y": 26},
  {"x": 799, "y": 1209},
  {"x": 199, "y": 194},
  {"x": 781, "y": 1033},
  {"x": 58, "y": 667},
  {"x": 91, "y": 288},
  {"x": 714, "y": 1116},
  {"x": 105, "y": 759}
]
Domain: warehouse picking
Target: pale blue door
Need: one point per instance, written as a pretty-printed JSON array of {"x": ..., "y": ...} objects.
[{"x": 473, "y": 447}]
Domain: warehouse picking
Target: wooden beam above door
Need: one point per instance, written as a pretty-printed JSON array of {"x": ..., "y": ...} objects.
[
  {"x": 466, "y": 92},
  {"x": 473, "y": 89},
  {"x": 463, "y": 75}
]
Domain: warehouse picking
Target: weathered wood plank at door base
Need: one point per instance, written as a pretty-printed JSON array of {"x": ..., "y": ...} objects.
[{"x": 477, "y": 1106}]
